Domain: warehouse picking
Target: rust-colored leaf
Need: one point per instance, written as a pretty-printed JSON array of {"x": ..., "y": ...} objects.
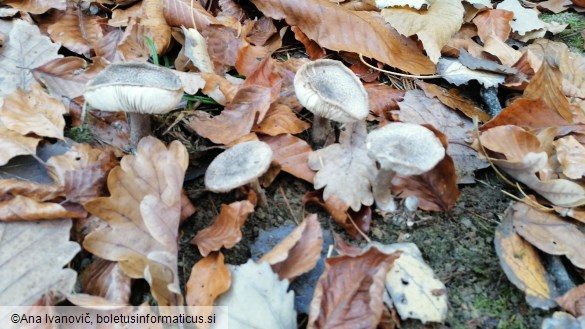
[
  {"x": 68, "y": 76},
  {"x": 311, "y": 47},
  {"x": 370, "y": 35},
  {"x": 262, "y": 30},
  {"x": 22, "y": 208},
  {"x": 547, "y": 85},
  {"x": 280, "y": 119},
  {"x": 454, "y": 100},
  {"x": 292, "y": 154},
  {"x": 574, "y": 301},
  {"x": 299, "y": 252},
  {"x": 225, "y": 230},
  {"x": 383, "y": 99},
  {"x": 223, "y": 45},
  {"x": 105, "y": 279},
  {"x": 495, "y": 23},
  {"x": 349, "y": 293},
  {"x": 209, "y": 278},
  {"x": 76, "y": 31},
  {"x": 179, "y": 12}
]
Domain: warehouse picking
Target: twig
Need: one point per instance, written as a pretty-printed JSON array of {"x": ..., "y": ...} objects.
[
  {"x": 434, "y": 76},
  {"x": 357, "y": 228},
  {"x": 288, "y": 204}
]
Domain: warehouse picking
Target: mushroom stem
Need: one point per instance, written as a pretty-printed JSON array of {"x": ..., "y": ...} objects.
[
  {"x": 255, "y": 186},
  {"x": 321, "y": 129},
  {"x": 139, "y": 127},
  {"x": 382, "y": 190}
]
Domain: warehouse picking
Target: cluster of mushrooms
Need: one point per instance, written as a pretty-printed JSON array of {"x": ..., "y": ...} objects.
[{"x": 325, "y": 87}]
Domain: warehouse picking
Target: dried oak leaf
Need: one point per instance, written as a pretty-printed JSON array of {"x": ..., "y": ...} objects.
[
  {"x": 522, "y": 265},
  {"x": 32, "y": 260},
  {"x": 299, "y": 252},
  {"x": 448, "y": 14},
  {"x": 349, "y": 293},
  {"x": 348, "y": 159},
  {"x": 321, "y": 21},
  {"x": 257, "y": 298},
  {"x": 573, "y": 301},
  {"x": 571, "y": 156},
  {"x": 549, "y": 233},
  {"x": 106, "y": 279},
  {"x": 25, "y": 49},
  {"x": 209, "y": 278},
  {"x": 225, "y": 230},
  {"x": 143, "y": 214},
  {"x": 292, "y": 154},
  {"x": 77, "y": 31}
]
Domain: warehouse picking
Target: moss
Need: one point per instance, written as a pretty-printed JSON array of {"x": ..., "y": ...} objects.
[
  {"x": 80, "y": 134},
  {"x": 571, "y": 36}
]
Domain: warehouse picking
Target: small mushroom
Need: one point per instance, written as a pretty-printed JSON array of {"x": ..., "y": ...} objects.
[
  {"x": 330, "y": 91},
  {"x": 240, "y": 165},
  {"x": 403, "y": 148},
  {"x": 139, "y": 89}
]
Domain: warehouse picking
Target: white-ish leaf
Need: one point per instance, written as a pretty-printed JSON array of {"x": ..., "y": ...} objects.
[
  {"x": 257, "y": 299},
  {"x": 345, "y": 169},
  {"x": 196, "y": 50},
  {"x": 525, "y": 19},
  {"x": 456, "y": 73},
  {"x": 25, "y": 49},
  {"x": 562, "y": 320}
]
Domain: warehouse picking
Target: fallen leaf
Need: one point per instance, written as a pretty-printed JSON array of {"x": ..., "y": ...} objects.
[
  {"x": 311, "y": 47},
  {"x": 36, "y": 6},
  {"x": 448, "y": 14},
  {"x": 76, "y": 31},
  {"x": 298, "y": 252},
  {"x": 383, "y": 99},
  {"x": 485, "y": 65},
  {"x": 555, "y": 6},
  {"x": 456, "y": 73},
  {"x": 106, "y": 279},
  {"x": 547, "y": 85},
  {"x": 349, "y": 159},
  {"x": 495, "y": 23},
  {"x": 223, "y": 45},
  {"x": 549, "y": 233},
  {"x": 68, "y": 76},
  {"x": 349, "y": 293},
  {"x": 181, "y": 12},
  {"x": 33, "y": 257},
  {"x": 522, "y": 265},
  {"x": 196, "y": 50},
  {"x": 525, "y": 19},
  {"x": 258, "y": 297},
  {"x": 573, "y": 301},
  {"x": 209, "y": 279},
  {"x": 292, "y": 154},
  {"x": 225, "y": 229},
  {"x": 132, "y": 46},
  {"x": 13, "y": 144},
  {"x": 454, "y": 100},
  {"x": 143, "y": 213},
  {"x": 370, "y": 35},
  {"x": 562, "y": 320},
  {"x": 571, "y": 155}
]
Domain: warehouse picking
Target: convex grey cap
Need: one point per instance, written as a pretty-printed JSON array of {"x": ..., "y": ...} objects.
[
  {"x": 329, "y": 89},
  {"x": 238, "y": 166}
]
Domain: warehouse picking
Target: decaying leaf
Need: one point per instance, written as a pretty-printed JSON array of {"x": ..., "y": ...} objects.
[
  {"x": 298, "y": 252},
  {"x": 106, "y": 279},
  {"x": 574, "y": 301},
  {"x": 522, "y": 265},
  {"x": 292, "y": 154},
  {"x": 280, "y": 119},
  {"x": 525, "y": 19},
  {"x": 349, "y": 293},
  {"x": 453, "y": 99},
  {"x": 225, "y": 230},
  {"x": 571, "y": 155},
  {"x": 13, "y": 144},
  {"x": 348, "y": 159},
  {"x": 209, "y": 278},
  {"x": 76, "y": 31},
  {"x": 562, "y": 320},
  {"x": 32, "y": 260},
  {"x": 456, "y": 73},
  {"x": 143, "y": 214},
  {"x": 257, "y": 298}
]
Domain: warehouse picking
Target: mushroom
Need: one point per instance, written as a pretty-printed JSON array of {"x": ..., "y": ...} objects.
[
  {"x": 238, "y": 166},
  {"x": 403, "y": 148},
  {"x": 137, "y": 88},
  {"x": 330, "y": 91}
]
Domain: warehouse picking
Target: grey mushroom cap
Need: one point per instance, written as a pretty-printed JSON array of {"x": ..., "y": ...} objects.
[
  {"x": 134, "y": 87},
  {"x": 405, "y": 148},
  {"x": 330, "y": 90},
  {"x": 238, "y": 166}
]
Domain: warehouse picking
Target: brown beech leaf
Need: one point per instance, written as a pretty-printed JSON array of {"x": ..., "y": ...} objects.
[
  {"x": 179, "y": 12},
  {"x": 448, "y": 14},
  {"x": 573, "y": 301},
  {"x": 571, "y": 155},
  {"x": 549, "y": 233},
  {"x": 522, "y": 265},
  {"x": 158, "y": 29},
  {"x": 292, "y": 154},
  {"x": 23, "y": 208},
  {"x": 107, "y": 46},
  {"x": 225, "y": 230},
  {"x": 383, "y": 99},
  {"x": 132, "y": 45},
  {"x": 547, "y": 85},
  {"x": 33, "y": 112},
  {"x": 143, "y": 213},
  {"x": 106, "y": 279},
  {"x": 76, "y": 31},
  {"x": 495, "y": 23},
  {"x": 555, "y": 6},
  {"x": 209, "y": 278},
  {"x": 262, "y": 30},
  {"x": 13, "y": 144},
  {"x": 280, "y": 119},
  {"x": 311, "y": 47},
  {"x": 82, "y": 171},
  {"x": 299, "y": 252},
  {"x": 223, "y": 45},
  {"x": 34, "y": 255},
  {"x": 454, "y": 100},
  {"x": 349, "y": 293},
  {"x": 250, "y": 58},
  {"x": 67, "y": 76},
  {"x": 370, "y": 35},
  {"x": 36, "y": 6}
]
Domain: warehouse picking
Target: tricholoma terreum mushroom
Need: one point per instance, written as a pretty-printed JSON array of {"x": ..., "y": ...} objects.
[
  {"x": 139, "y": 89},
  {"x": 330, "y": 91}
]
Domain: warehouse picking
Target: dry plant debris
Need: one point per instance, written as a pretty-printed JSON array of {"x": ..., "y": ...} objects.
[{"x": 241, "y": 83}]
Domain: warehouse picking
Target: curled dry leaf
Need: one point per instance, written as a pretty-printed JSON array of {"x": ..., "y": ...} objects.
[
  {"x": 36, "y": 6},
  {"x": 454, "y": 100},
  {"x": 68, "y": 76},
  {"x": 311, "y": 47},
  {"x": 209, "y": 278},
  {"x": 77, "y": 31},
  {"x": 32, "y": 261},
  {"x": 349, "y": 293},
  {"x": 106, "y": 279},
  {"x": 571, "y": 156},
  {"x": 179, "y": 13},
  {"x": 292, "y": 154},
  {"x": 495, "y": 23},
  {"x": 257, "y": 299},
  {"x": 574, "y": 301},
  {"x": 456, "y": 73},
  {"x": 522, "y": 265},
  {"x": 22, "y": 208},
  {"x": 547, "y": 85},
  {"x": 370, "y": 36},
  {"x": 13, "y": 144},
  {"x": 196, "y": 50},
  {"x": 280, "y": 119},
  {"x": 549, "y": 233},
  {"x": 299, "y": 252},
  {"x": 225, "y": 230},
  {"x": 383, "y": 99},
  {"x": 143, "y": 213}
]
